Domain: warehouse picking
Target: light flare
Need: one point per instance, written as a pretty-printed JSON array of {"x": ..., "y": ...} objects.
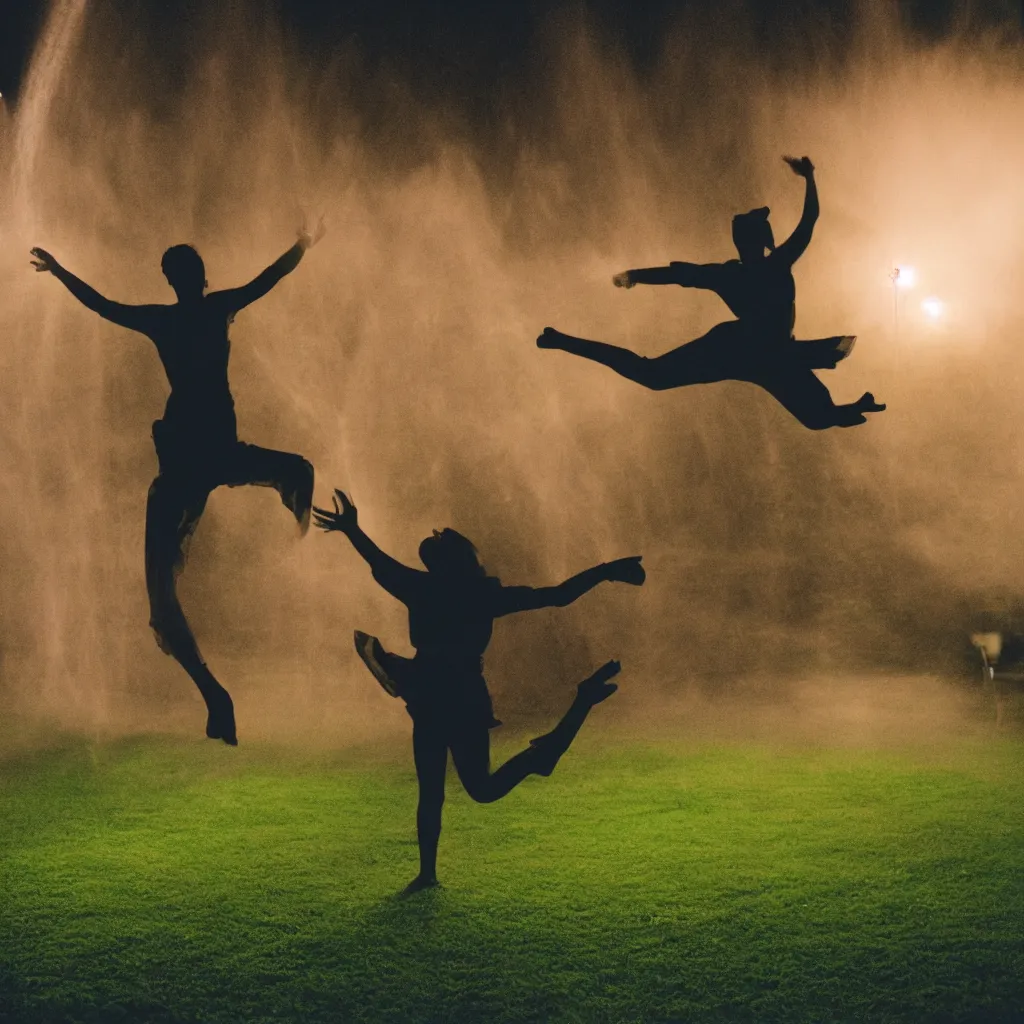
[{"x": 905, "y": 276}]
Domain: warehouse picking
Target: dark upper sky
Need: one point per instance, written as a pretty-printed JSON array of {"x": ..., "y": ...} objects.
[{"x": 460, "y": 46}]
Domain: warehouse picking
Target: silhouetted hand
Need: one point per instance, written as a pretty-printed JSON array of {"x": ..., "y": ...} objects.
[
  {"x": 623, "y": 280},
  {"x": 801, "y": 166},
  {"x": 343, "y": 518},
  {"x": 307, "y": 238},
  {"x": 626, "y": 570},
  {"x": 43, "y": 262}
]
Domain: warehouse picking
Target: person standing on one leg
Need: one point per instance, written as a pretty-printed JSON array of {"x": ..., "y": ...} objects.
[
  {"x": 196, "y": 441},
  {"x": 758, "y": 346},
  {"x": 452, "y": 608}
]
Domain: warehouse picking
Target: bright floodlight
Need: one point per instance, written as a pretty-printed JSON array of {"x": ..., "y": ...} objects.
[
  {"x": 905, "y": 277},
  {"x": 933, "y": 308}
]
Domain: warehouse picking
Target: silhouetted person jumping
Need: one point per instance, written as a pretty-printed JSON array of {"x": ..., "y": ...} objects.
[
  {"x": 452, "y": 608},
  {"x": 758, "y": 346},
  {"x": 196, "y": 442}
]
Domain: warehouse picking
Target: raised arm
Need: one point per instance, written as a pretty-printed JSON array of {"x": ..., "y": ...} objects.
[
  {"x": 135, "y": 318},
  {"x": 793, "y": 247},
  {"x": 238, "y": 298},
  {"x": 522, "y": 599},
  {"x": 689, "y": 275},
  {"x": 397, "y": 579}
]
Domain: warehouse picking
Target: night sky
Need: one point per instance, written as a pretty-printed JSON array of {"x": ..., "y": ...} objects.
[{"x": 457, "y": 50}]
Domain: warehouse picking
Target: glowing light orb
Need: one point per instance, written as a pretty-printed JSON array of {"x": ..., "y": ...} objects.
[
  {"x": 905, "y": 277},
  {"x": 933, "y": 308}
]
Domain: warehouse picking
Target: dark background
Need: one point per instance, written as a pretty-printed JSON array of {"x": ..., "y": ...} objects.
[{"x": 460, "y": 49}]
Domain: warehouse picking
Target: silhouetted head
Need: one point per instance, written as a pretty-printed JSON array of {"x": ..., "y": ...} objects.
[
  {"x": 752, "y": 234},
  {"x": 185, "y": 272},
  {"x": 450, "y": 554}
]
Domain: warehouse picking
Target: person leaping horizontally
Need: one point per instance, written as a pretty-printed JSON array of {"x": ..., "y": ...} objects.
[{"x": 758, "y": 346}]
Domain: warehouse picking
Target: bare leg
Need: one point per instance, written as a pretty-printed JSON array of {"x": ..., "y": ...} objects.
[
  {"x": 624, "y": 362},
  {"x": 471, "y": 752},
  {"x": 550, "y": 747},
  {"x": 172, "y": 513},
  {"x": 290, "y": 475},
  {"x": 471, "y": 748},
  {"x": 430, "y": 752},
  {"x": 705, "y": 360}
]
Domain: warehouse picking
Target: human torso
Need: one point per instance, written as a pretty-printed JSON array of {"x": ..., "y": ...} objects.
[
  {"x": 761, "y": 295},
  {"x": 192, "y": 341},
  {"x": 452, "y": 624},
  {"x": 450, "y": 629}
]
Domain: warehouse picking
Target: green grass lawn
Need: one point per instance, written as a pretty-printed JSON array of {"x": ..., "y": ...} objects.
[{"x": 167, "y": 879}]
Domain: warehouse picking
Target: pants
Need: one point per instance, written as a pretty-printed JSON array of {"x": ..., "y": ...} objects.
[
  {"x": 784, "y": 368},
  {"x": 177, "y": 499}
]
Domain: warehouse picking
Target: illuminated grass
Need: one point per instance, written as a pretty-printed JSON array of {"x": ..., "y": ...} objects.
[{"x": 162, "y": 880}]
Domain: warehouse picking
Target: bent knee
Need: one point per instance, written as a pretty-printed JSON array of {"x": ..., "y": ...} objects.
[
  {"x": 481, "y": 791},
  {"x": 300, "y": 465},
  {"x": 300, "y": 473},
  {"x": 816, "y": 419},
  {"x": 167, "y": 617},
  {"x": 650, "y": 373},
  {"x": 167, "y": 632},
  {"x": 161, "y": 638}
]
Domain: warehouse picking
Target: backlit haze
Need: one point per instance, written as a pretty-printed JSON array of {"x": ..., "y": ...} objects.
[{"x": 400, "y": 359}]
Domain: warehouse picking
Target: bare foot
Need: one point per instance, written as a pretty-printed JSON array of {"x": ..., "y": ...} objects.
[
  {"x": 867, "y": 403},
  {"x": 854, "y": 414},
  {"x": 220, "y": 721},
  {"x": 418, "y": 884},
  {"x": 596, "y": 688},
  {"x": 550, "y": 747},
  {"x": 549, "y": 338},
  {"x": 627, "y": 570}
]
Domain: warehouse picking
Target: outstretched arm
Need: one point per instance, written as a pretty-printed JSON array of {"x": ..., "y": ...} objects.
[
  {"x": 397, "y": 579},
  {"x": 689, "y": 275},
  {"x": 522, "y": 599},
  {"x": 238, "y": 298},
  {"x": 135, "y": 318},
  {"x": 793, "y": 247}
]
